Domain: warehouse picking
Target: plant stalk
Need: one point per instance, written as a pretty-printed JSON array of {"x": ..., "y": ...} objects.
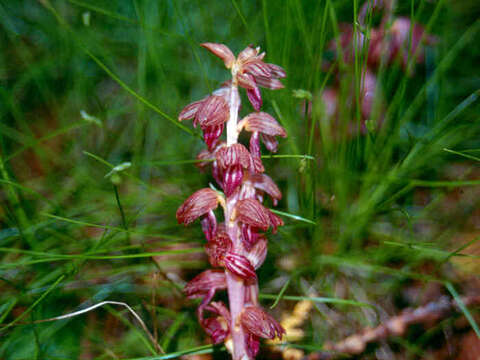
[{"x": 235, "y": 285}]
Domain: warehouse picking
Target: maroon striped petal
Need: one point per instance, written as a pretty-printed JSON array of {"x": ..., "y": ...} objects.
[
  {"x": 258, "y": 253},
  {"x": 246, "y": 81},
  {"x": 263, "y": 123},
  {"x": 198, "y": 204},
  {"x": 190, "y": 110},
  {"x": 201, "y": 284},
  {"x": 275, "y": 221},
  {"x": 209, "y": 225},
  {"x": 270, "y": 142},
  {"x": 255, "y": 145},
  {"x": 257, "y": 322},
  {"x": 249, "y": 236},
  {"x": 277, "y": 71},
  {"x": 240, "y": 266},
  {"x": 247, "y": 54},
  {"x": 265, "y": 183},
  {"x": 255, "y": 98},
  {"x": 235, "y": 154},
  {"x": 269, "y": 83},
  {"x": 251, "y": 212},
  {"x": 253, "y": 345},
  {"x": 214, "y": 111},
  {"x": 222, "y": 51},
  {"x": 211, "y": 134},
  {"x": 217, "y": 173},
  {"x": 232, "y": 178},
  {"x": 258, "y": 68},
  {"x": 218, "y": 327}
]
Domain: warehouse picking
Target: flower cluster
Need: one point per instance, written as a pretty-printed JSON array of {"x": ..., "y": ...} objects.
[{"x": 237, "y": 246}]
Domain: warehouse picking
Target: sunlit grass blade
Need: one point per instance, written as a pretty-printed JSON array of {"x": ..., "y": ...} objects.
[
  {"x": 113, "y": 228},
  {"x": 468, "y": 156},
  {"x": 281, "y": 292},
  {"x": 31, "y": 307},
  {"x": 463, "y": 308},
  {"x": 294, "y": 217},
  {"x": 319, "y": 299},
  {"x": 200, "y": 350}
]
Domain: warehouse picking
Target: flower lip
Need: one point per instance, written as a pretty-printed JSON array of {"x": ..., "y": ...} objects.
[
  {"x": 218, "y": 327},
  {"x": 218, "y": 247}
]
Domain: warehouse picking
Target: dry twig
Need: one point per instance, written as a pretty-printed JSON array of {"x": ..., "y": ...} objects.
[{"x": 395, "y": 326}]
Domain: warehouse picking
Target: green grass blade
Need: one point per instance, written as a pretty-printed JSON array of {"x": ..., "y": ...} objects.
[{"x": 463, "y": 308}]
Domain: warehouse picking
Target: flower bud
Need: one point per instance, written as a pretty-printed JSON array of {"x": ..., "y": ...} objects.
[
  {"x": 257, "y": 322},
  {"x": 198, "y": 204},
  {"x": 239, "y": 265}
]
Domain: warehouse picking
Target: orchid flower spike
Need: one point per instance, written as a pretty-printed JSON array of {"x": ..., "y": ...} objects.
[{"x": 237, "y": 247}]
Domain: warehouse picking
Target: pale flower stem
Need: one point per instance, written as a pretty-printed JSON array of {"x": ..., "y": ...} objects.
[
  {"x": 232, "y": 132},
  {"x": 235, "y": 285}
]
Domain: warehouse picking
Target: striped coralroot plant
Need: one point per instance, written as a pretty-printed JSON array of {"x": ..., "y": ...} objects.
[{"x": 236, "y": 247}]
